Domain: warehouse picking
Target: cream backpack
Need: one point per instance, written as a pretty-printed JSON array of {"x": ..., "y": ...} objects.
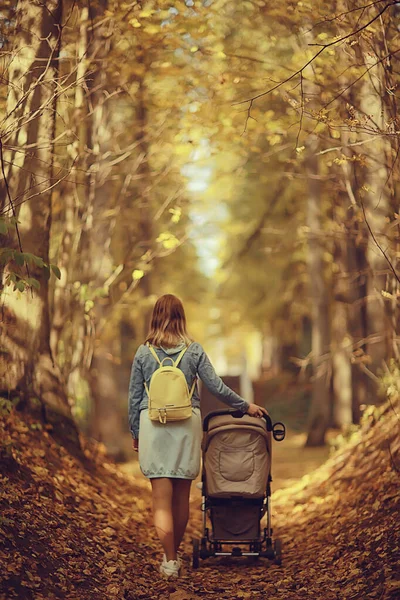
[{"x": 169, "y": 396}]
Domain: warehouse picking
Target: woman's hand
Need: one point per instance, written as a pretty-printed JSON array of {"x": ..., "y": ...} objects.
[
  {"x": 256, "y": 411},
  {"x": 135, "y": 445}
]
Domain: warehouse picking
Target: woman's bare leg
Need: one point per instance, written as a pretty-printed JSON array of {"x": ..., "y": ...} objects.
[
  {"x": 162, "y": 492},
  {"x": 180, "y": 508}
]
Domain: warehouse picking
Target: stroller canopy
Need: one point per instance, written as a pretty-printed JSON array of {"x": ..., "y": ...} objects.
[{"x": 236, "y": 456}]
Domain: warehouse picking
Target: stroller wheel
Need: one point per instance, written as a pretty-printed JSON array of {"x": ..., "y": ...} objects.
[
  {"x": 196, "y": 553},
  {"x": 203, "y": 548},
  {"x": 278, "y": 552}
]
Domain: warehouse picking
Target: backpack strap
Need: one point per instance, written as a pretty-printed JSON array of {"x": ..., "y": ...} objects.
[
  {"x": 178, "y": 360},
  {"x": 150, "y": 347},
  {"x": 192, "y": 388}
]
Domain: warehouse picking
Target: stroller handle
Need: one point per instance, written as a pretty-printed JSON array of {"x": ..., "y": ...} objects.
[{"x": 235, "y": 413}]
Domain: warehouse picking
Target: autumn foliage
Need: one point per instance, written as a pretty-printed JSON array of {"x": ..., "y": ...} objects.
[
  {"x": 82, "y": 529},
  {"x": 243, "y": 155}
]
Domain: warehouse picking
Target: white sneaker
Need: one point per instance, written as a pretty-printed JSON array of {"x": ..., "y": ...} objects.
[
  {"x": 178, "y": 559},
  {"x": 169, "y": 568}
]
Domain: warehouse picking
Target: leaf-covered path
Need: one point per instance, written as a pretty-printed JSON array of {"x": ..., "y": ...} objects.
[{"x": 85, "y": 533}]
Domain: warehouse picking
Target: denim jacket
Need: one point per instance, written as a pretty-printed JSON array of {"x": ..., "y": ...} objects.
[{"x": 195, "y": 362}]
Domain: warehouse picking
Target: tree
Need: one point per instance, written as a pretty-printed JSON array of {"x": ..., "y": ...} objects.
[{"x": 29, "y": 131}]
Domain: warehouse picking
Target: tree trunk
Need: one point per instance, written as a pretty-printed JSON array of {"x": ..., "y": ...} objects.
[
  {"x": 320, "y": 409},
  {"x": 68, "y": 327},
  {"x": 109, "y": 412},
  {"x": 25, "y": 332},
  {"x": 357, "y": 242},
  {"x": 106, "y": 421},
  {"x": 375, "y": 199},
  {"x": 341, "y": 340},
  {"x": 358, "y": 315},
  {"x": 348, "y": 318},
  {"x": 144, "y": 187},
  {"x": 354, "y": 264}
]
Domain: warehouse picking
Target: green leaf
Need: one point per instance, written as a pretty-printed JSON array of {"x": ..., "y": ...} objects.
[
  {"x": 20, "y": 285},
  {"x": 19, "y": 258},
  {"x": 46, "y": 270},
  {"x": 56, "y": 271},
  {"x": 29, "y": 257},
  {"x": 6, "y": 255},
  {"x": 33, "y": 259},
  {"x": 39, "y": 262},
  {"x": 33, "y": 283},
  {"x": 3, "y": 227}
]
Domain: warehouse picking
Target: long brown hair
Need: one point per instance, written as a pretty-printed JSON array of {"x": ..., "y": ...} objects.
[{"x": 168, "y": 323}]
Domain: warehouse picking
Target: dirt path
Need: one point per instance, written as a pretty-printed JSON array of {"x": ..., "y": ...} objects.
[
  {"x": 240, "y": 578},
  {"x": 338, "y": 538},
  {"x": 84, "y": 532}
]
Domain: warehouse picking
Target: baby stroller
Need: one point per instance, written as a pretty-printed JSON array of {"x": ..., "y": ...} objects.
[{"x": 236, "y": 487}]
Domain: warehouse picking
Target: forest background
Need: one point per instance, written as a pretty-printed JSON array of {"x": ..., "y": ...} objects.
[{"x": 243, "y": 156}]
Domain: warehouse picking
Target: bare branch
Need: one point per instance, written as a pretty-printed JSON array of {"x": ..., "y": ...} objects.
[
  {"x": 361, "y": 76},
  {"x": 301, "y": 109},
  {"x": 377, "y": 243},
  {"x": 343, "y": 14},
  {"x": 313, "y": 58},
  {"x": 11, "y": 202}
]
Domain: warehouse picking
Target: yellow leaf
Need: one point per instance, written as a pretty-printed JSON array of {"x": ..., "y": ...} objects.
[
  {"x": 168, "y": 240},
  {"x": 274, "y": 139},
  {"x": 41, "y": 471},
  {"x": 111, "y": 569},
  {"x": 137, "y": 274},
  {"x": 182, "y": 149},
  {"x": 38, "y": 452},
  {"x": 194, "y": 49},
  {"x": 176, "y": 214},
  {"x": 151, "y": 29},
  {"x": 147, "y": 12},
  {"x": 135, "y": 23},
  {"x": 89, "y": 304},
  {"x": 113, "y": 591}
]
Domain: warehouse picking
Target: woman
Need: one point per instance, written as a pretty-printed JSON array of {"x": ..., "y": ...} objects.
[{"x": 169, "y": 454}]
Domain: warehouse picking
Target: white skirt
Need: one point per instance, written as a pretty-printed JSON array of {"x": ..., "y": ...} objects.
[{"x": 170, "y": 450}]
